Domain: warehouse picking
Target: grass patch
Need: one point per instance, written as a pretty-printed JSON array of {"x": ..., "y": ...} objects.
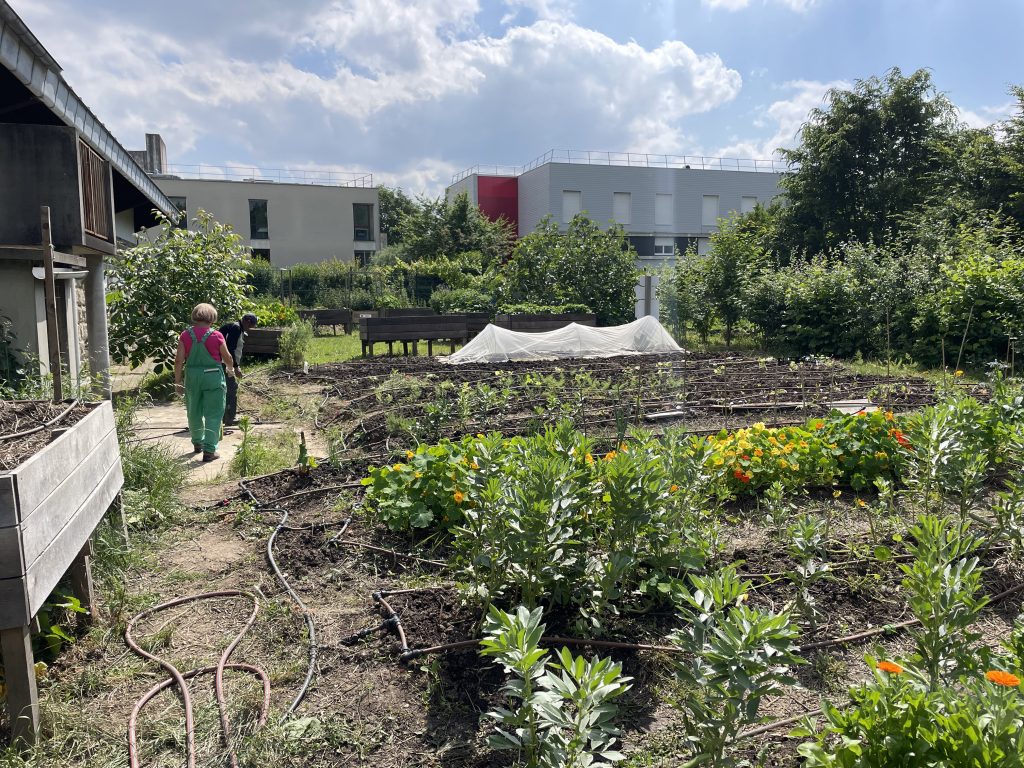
[{"x": 261, "y": 454}]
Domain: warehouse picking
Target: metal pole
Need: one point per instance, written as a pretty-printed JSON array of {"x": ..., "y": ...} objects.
[{"x": 50, "y": 295}]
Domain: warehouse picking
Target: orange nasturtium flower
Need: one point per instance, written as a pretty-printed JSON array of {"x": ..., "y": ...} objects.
[
  {"x": 673, "y": 488},
  {"x": 860, "y": 502},
  {"x": 458, "y": 497},
  {"x": 589, "y": 459},
  {"x": 409, "y": 454},
  {"x": 474, "y": 465},
  {"x": 609, "y": 456},
  {"x": 890, "y": 667},
  {"x": 1005, "y": 679}
]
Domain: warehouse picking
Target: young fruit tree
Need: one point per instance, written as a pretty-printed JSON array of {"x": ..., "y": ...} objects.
[{"x": 155, "y": 285}]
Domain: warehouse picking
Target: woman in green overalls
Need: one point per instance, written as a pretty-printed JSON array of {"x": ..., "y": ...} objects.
[{"x": 201, "y": 353}]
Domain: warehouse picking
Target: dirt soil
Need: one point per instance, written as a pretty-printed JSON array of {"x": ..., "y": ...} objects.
[{"x": 40, "y": 418}]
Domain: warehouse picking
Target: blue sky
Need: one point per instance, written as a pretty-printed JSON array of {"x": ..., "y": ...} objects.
[{"x": 415, "y": 91}]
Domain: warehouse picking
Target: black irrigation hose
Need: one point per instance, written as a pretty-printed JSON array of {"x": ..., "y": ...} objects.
[
  {"x": 307, "y": 615},
  {"x": 44, "y": 425}
]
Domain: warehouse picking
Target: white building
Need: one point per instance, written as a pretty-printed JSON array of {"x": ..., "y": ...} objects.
[{"x": 286, "y": 217}]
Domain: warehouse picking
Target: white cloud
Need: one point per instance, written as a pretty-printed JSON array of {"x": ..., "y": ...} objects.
[
  {"x": 986, "y": 116},
  {"x": 560, "y": 10},
  {"x": 800, "y": 6},
  {"x": 384, "y": 85},
  {"x": 783, "y": 118}
]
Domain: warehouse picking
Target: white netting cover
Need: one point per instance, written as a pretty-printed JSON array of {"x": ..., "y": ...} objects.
[{"x": 645, "y": 336}]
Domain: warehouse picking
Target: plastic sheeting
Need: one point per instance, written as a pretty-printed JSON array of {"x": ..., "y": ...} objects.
[{"x": 645, "y": 336}]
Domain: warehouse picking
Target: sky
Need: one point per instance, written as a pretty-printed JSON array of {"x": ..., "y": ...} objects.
[{"x": 414, "y": 92}]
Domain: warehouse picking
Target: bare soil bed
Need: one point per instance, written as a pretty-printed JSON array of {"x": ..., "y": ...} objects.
[
  {"x": 27, "y": 426},
  {"x": 377, "y": 405}
]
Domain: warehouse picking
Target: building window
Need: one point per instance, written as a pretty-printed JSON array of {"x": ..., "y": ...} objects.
[
  {"x": 363, "y": 258},
  {"x": 748, "y": 203},
  {"x": 663, "y": 210},
  {"x": 664, "y": 247},
  {"x": 258, "y": 226},
  {"x": 621, "y": 207},
  {"x": 572, "y": 204},
  {"x": 263, "y": 254},
  {"x": 709, "y": 211},
  {"x": 362, "y": 216}
]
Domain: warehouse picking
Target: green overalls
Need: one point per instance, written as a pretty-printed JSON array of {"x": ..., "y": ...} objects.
[{"x": 204, "y": 393}]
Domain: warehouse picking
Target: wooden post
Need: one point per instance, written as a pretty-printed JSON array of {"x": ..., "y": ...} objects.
[
  {"x": 81, "y": 578},
  {"x": 50, "y": 296},
  {"x": 22, "y": 695}
]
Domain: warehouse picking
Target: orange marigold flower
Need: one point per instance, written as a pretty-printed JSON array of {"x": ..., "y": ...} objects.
[
  {"x": 860, "y": 502},
  {"x": 889, "y": 416},
  {"x": 673, "y": 488},
  {"x": 623, "y": 447},
  {"x": 820, "y": 425},
  {"x": 890, "y": 667},
  {"x": 474, "y": 465},
  {"x": 758, "y": 452},
  {"x": 609, "y": 456},
  {"x": 458, "y": 497},
  {"x": 1005, "y": 679},
  {"x": 589, "y": 459}
]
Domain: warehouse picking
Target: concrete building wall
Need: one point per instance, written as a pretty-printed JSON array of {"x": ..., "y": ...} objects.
[
  {"x": 306, "y": 223},
  {"x": 18, "y": 302},
  {"x": 467, "y": 185},
  {"x": 599, "y": 183},
  {"x": 535, "y": 200}
]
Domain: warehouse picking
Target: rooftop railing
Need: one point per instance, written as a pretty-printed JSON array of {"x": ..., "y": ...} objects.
[
  {"x": 253, "y": 174},
  {"x": 630, "y": 160}
]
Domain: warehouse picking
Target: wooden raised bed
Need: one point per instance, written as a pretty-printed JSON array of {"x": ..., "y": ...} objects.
[
  {"x": 50, "y": 505},
  {"x": 332, "y": 317},
  {"x": 263, "y": 341},
  {"x": 453, "y": 328},
  {"x": 543, "y": 322}
]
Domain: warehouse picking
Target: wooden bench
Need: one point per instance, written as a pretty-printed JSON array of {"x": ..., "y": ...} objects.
[
  {"x": 49, "y": 507},
  {"x": 263, "y": 341},
  {"x": 333, "y": 317},
  {"x": 451, "y": 328},
  {"x": 542, "y": 322}
]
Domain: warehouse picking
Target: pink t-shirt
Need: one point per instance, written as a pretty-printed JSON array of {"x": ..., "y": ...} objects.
[{"x": 213, "y": 342}]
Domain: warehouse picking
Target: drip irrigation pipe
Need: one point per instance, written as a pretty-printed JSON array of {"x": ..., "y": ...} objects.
[
  {"x": 44, "y": 425},
  {"x": 306, "y": 613},
  {"x": 392, "y": 616},
  {"x": 178, "y": 679},
  {"x": 414, "y": 653}
]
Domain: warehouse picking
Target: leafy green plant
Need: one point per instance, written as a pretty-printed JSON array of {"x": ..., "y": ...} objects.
[
  {"x": 943, "y": 585},
  {"x": 155, "y": 285},
  {"x": 294, "y": 344},
  {"x": 735, "y": 656},
  {"x": 563, "y": 710},
  {"x": 273, "y": 313},
  {"x": 806, "y": 547}
]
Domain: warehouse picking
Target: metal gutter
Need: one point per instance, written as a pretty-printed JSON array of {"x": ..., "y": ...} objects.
[{"x": 27, "y": 60}]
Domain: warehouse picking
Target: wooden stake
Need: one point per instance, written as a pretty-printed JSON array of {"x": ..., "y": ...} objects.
[{"x": 50, "y": 297}]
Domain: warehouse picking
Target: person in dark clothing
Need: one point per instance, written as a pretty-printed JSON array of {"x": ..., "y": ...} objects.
[{"x": 234, "y": 337}]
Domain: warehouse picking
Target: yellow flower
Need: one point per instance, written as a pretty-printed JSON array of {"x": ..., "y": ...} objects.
[
  {"x": 758, "y": 452},
  {"x": 719, "y": 461},
  {"x": 773, "y": 441},
  {"x": 398, "y": 467},
  {"x": 836, "y": 493},
  {"x": 759, "y": 426},
  {"x": 417, "y": 475},
  {"x": 40, "y": 669},
  {"x": 409, "y": 454},
  {"x": 458, "y": 497},
  {"x": 958, "y": 373},
  {"x": 623, "y": 447},
  {"x": 860, "y": 502},
  {"x": 784, "y": 464},
  {"x": 673, "y": 488},
  {"x": 609, "y": 456},
  {"x": 474, "y": 465},
  {"x": 889, "y": 416},
  {"x": 589, "y": 459}
]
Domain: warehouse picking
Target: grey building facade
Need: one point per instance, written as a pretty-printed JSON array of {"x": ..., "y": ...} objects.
[{"x": 285, "y": 217}]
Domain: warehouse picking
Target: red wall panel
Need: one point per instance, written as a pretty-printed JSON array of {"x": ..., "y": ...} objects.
[{"x": 499, "y": 196}]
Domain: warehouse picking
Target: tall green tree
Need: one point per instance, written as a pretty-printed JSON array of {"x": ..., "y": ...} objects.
[
  {"x": 583, "y": 265},
  {"x": 440, "y": 227},
  {"x": 395, "y": 205},
  {"x": 734, "y": 257},
  {"x": 867, "y": 159},
  {"x": 156, "y": 284}
]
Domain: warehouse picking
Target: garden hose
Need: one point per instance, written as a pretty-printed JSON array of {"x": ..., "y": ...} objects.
[{"x": 178, "y": 679}]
